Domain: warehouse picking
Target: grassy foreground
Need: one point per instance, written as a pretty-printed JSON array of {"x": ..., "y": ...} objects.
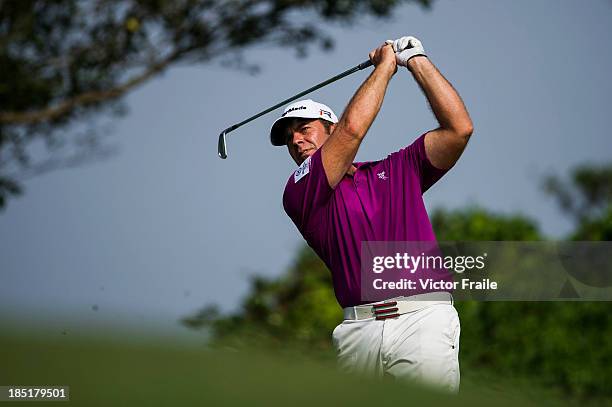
[{"x": 114, "y": 372}]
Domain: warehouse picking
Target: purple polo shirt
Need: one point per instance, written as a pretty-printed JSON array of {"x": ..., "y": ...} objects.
[{"x": 382, "y": 201}]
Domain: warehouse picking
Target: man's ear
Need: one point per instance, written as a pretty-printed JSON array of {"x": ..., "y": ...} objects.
[{"x": 332, "y": 128}]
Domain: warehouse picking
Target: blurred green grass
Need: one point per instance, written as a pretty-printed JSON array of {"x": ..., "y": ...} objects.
[{"x": 113, "y": 372}]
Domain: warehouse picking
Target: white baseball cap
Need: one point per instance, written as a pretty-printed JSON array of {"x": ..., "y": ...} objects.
[{"x": 304, "y": 109}]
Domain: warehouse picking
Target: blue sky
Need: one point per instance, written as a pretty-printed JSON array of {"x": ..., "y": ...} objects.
[{"x": 164, "y": 226}]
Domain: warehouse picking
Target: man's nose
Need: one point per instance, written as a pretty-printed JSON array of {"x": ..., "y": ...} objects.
[{"x": 297, "y": 138}]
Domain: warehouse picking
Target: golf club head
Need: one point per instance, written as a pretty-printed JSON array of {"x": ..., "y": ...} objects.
[{"x": 222, "y": 148}]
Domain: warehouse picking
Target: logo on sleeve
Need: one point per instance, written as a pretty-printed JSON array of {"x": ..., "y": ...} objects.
[{"x": 302, "y": 170}]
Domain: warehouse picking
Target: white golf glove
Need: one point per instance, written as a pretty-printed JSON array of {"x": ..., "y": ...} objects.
[{"x": 406, "y": 48}]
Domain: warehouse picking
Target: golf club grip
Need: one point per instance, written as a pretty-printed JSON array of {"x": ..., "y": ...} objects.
[{"x": 365, "y": 64}]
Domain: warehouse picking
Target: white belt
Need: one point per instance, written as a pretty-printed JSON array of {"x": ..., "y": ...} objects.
[{"x": 397, "y": 306}]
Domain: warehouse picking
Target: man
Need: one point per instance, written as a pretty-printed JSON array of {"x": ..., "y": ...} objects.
[{"x": 337, "y": 204}]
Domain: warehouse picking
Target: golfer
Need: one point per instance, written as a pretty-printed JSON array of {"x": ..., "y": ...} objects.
[{"x": 337, "y": 203}]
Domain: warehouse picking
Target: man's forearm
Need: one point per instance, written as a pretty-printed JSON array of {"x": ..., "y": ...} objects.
[
  {"x": 366, "y": 103},
  {"x": 445, "y": 102},
  {"x": 340, "y": 149}
]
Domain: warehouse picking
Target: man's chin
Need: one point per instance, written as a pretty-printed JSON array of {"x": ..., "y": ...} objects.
[
  {"x": 300, "y": 158},
  {"x": 306, "y": 154}
]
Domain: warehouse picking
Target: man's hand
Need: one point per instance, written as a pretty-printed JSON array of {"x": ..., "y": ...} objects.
[
  {"x": 406, "y": 48},
  {"x": 384, "y": 57}
]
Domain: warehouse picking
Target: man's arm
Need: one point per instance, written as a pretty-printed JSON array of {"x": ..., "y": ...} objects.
[
  {"x": 445, "y": 144},
  {"x": 340, "y": 149}
]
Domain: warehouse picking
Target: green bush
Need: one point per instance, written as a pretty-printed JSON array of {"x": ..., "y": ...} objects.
[{"x": 564, "y": 345}]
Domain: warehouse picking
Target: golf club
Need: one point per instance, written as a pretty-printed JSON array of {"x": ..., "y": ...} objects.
[{"x": 222, "y": 149}]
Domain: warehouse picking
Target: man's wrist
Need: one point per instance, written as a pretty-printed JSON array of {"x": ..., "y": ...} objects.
[
  {"x": 388, "y": 69},
  {"x": 416, "y": 61}
]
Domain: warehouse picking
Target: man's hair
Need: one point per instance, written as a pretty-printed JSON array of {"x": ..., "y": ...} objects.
[{"x": 292, "y": 124}]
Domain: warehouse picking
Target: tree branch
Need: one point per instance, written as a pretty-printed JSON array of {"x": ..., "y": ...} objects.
[{"x": 53, "y": 112}]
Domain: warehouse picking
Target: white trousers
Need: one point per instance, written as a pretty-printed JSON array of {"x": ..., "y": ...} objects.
[{"x": 418, "y": 346}]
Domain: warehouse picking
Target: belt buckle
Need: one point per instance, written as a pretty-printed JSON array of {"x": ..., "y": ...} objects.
[{"x": 385, "y": 310}]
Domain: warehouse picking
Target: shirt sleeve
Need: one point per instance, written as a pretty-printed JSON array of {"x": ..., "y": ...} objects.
[
  {"x": 415, "y": 158},
  {"x": 306, "y": 193}
]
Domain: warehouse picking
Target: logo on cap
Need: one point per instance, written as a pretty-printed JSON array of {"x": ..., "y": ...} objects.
[
  {"x": 326, "y": 113},
  {"x": 292, "y": 109}
]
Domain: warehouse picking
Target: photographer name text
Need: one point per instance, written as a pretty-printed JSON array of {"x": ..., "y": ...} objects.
[{"x": 431, "y": 284}]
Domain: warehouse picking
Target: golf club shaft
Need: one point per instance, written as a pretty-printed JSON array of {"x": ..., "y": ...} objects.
[{"x": 222, "y": 151}]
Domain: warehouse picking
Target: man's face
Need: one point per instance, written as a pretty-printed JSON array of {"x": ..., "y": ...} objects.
[{"x": 304, "y": 137}]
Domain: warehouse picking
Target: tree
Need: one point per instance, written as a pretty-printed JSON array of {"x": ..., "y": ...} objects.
[
  {"x": 64, "y": 63},
  {"x": 586, "y": 196},
  {"x": 479, "y": 224}
]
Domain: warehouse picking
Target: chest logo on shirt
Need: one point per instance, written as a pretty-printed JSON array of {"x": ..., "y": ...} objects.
[
  {"x": 302, "y": 170},
  {"x": 381, "y": 175}
]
